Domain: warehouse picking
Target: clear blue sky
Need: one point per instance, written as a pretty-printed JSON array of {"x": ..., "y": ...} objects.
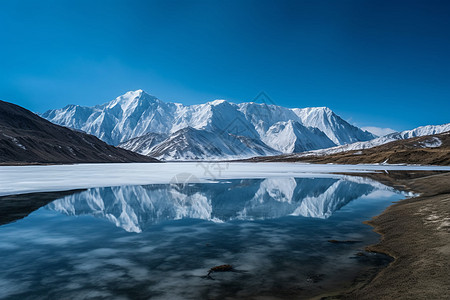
[{"x": 380, "y": 63}]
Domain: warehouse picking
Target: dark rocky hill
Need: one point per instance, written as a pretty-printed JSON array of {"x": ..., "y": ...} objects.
[{"x": 27, "y": 138}]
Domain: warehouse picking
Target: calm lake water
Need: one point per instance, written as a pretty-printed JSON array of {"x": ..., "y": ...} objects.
[{"x": 159, "y": 241}]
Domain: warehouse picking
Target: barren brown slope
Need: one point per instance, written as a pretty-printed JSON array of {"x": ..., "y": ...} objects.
[
  {"x": 409, "y": 151},
  {"x": 27, "y": 138}
]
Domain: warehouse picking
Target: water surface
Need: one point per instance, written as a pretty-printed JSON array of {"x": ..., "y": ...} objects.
[{"x": 158, "y": 241}]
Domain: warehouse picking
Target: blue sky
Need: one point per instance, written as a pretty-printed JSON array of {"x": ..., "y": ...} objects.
[{"x": 376, "y": 63}]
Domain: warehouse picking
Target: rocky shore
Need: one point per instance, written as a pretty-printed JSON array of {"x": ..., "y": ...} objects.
[{"x": 416, "y": 233}]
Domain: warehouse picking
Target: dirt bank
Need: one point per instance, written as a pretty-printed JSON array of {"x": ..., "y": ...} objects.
[{"x": 416, "y": 232}]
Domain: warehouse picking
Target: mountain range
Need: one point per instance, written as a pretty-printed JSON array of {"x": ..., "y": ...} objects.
[
  {"x": 395, "y": 136},
  {"x": 431, "y": 149},
  {"x": 27, "y": 138},
  {"x": 218, "y": 129}
]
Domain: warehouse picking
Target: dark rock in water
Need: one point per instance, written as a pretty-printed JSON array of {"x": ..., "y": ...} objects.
[
  {"x": 314, "y": 278},
  {"x": 221, "y": 268},
  {"x": 343, "y": 242},
  {"x": 360, "y": 256}
]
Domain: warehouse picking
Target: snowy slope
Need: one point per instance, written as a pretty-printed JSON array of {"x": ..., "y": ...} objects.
[
  {"x": 194, "y": 144},
  {"x": 338, "y": 130},
  {"x": 145, "y": 143},
  {"x": 407, "y": 134},
  {"x": 130, "y": 115},
  {"x": 136, "y": 114},
  {"x": 292, "y": 137},
  {"x": 263, "y": 116}
]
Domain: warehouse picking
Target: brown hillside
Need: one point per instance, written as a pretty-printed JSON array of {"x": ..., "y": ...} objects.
[{"x": 27, "y": 138}]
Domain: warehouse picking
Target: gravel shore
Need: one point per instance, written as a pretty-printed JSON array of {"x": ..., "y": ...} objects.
[{"x": 416, "y": 233}]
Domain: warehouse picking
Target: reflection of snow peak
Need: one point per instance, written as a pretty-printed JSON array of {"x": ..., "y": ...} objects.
[
  {"x": 134, "y": 208},
  {"x": 336, "y": 196},
  {"x": 280, "y": 189},
  {"x": 129, "y": 207}
]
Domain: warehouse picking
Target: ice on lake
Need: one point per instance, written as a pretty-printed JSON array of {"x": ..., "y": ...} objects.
[{"x": 26, "y": 179}]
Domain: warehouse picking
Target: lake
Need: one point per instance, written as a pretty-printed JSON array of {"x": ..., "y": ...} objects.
[{"x": 284, "y": 236}]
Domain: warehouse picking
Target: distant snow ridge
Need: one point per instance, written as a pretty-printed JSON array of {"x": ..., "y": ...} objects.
[
  {"x": 213, "y": 130},
  {"x": 292, "y": 137},
  {"x": 403, "y": 135}
]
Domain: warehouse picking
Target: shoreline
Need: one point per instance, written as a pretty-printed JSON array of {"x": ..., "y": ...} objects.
[{"x": 415, "y": 232}]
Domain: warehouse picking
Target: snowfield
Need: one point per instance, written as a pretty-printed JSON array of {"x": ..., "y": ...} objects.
[{"x": 28, "y": 179}]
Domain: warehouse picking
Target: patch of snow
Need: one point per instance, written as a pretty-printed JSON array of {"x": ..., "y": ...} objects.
[
  {"x": 15, "y": 141},
  {"x": 71, "y": 150},
  {"x": 433, "y": 142}
]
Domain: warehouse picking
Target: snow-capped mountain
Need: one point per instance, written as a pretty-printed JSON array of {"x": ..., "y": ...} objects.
[
  {"x": 130, "y": 115},
  {"x": 134, "y": 208},
  {"x": 145, "y": 143},
  {"x": 403, "y": 135},
  {"x": 338, "y": 130},
  {"x": 293, "y": 137},
  {"x": 194, "y": 144},
  {"x": 152, "y": 122}
]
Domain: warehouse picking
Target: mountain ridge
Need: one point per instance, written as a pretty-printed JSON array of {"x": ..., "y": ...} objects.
[
  {"x": 422, "y": 150},
  {"x": 391, "y": 137},
  {"x": 137, "y": 114}
]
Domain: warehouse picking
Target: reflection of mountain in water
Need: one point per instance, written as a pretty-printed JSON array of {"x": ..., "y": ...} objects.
[{"x": 136, "y": 207}]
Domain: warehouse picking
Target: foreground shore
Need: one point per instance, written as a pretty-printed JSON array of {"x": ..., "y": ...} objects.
[{"x": 416, "y": 233}]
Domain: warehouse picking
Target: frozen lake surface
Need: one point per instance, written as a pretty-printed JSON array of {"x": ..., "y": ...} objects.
[{"x": 26, "y": 179}]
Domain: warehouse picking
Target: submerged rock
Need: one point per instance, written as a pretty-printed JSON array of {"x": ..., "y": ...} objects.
[
  {"x": 314, "y": 278},
  {"x": 221, "y": 268}
]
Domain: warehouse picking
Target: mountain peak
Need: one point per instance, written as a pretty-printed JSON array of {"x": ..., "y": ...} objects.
[
  {"x": 134, "y": 94},
  {"x": 131, "y": 99},
  {"x": 218, "y": 102}
]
